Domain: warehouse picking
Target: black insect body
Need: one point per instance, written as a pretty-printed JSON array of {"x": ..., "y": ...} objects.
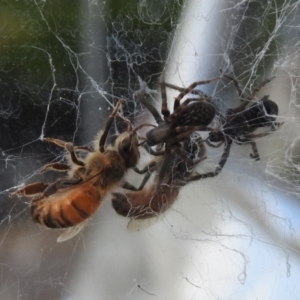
[{"x": 239, "y": 123}]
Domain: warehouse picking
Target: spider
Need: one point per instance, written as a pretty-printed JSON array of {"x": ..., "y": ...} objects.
[
  {"x": 192, "y": 115},
  {"x": 149, "y": 202},
  {"x": 239, "y": 123}
]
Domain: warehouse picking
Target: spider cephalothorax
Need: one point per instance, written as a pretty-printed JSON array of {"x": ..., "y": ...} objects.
[{"x": 192, "y": 115}]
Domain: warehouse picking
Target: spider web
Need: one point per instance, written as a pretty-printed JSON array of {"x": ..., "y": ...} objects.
[{"x": 63, "y": 67}]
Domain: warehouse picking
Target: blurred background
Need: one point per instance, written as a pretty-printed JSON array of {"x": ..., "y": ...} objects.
[{"x": 64, "y": 64}]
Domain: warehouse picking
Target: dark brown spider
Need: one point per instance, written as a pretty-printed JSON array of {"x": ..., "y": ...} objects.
[
  {"x": 192, "y": 115},
  {"x": 239, "y": 123},
  {"x": 150, "y": 202}
]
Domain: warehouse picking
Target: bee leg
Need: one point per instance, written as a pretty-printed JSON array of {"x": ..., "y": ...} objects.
[
  {"x": 69, "y": 147},
  {"x": 83, "y": 148},
  {"x": 60, "y": 167},
  {"x": 30, "y": 190},
  {"x": 108, "y": 124},
  {"x": 60, "y": 184},
  {"x": 63, "y": 184}
]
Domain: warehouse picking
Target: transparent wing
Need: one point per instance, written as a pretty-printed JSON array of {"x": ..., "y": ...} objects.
[
  {"x": 71, "y": 232},
  {"x": 142, "y": 224}
]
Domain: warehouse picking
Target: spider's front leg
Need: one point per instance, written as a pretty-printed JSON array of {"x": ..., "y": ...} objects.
[
  {"x": 190, "y": 88},
  {"x": 149, "y": 169}
]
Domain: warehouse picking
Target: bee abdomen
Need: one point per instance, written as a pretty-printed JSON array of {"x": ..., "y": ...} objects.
[{"x": 69, "y": 211}]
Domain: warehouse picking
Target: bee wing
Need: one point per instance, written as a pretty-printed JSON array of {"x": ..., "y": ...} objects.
[
  {"x": 71, "y": 232},
  {"x": 142, "y": 224}
]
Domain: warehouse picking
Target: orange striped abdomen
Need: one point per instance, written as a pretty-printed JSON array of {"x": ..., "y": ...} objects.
[{"x": 68, "y": 207}]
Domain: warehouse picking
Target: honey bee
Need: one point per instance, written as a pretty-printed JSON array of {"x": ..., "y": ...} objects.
[
  {"x": 151, "y": 202},
  {"x": 70, "y": 201}
]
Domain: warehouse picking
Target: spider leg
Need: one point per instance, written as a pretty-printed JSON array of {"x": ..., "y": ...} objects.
[
  {"x": 108, "y": 124},
  {"x": 190, "y": 88},
  {"x": 255, "y": 154},
  {"x": 258, "y": 135},
  {"x": 214, "y": 145},
  {"x": 256, "y": 90},
  {"x": 164, "y": 103},
  {"x": 183, "y": 156},
  {"x": 69, "y": 147},
  {"x": 30, "y": 190},
  {"x": 236, "y": 84},
  {"x": 180, "y": 89},
  {"x": 164, "y": 167},
  {"x": 148, "y": 169},
  {"x": 140, "y": 97},
  {"x": 219, "y": 168},
  {"x": 129, "y": 186}
]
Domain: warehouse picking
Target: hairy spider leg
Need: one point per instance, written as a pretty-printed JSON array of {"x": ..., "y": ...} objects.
[
  {"x": 222, "y": 162},
  {"x": 164, "y": 103},
  {"x": 236, "y": 83},
  {"x": 190, "y": 88},
  {"x": 181, "y": 89}
]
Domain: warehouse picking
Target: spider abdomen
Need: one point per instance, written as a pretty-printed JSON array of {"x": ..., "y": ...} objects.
[{"x": 197, "y": 114}]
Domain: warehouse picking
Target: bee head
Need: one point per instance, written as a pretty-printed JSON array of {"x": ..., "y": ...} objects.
[{"x": 127, "y": 145}]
